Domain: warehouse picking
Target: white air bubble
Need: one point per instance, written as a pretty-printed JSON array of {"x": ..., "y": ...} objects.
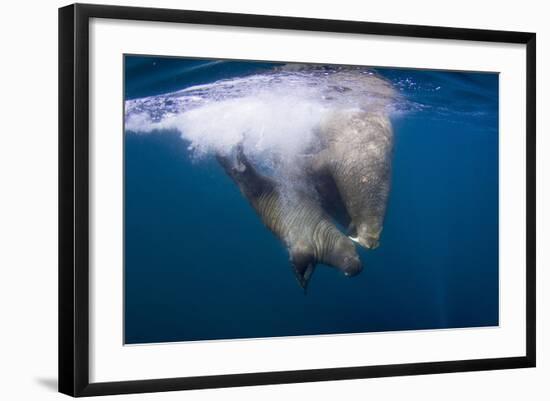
[{"x": 275, "y": 115}]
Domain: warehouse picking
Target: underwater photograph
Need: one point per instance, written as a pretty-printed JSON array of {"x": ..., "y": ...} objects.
[{"x": 270, "y": 199}]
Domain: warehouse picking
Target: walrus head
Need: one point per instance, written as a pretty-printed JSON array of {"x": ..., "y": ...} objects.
[
  {"x": 368, "y": 234},
  {"x": 343, "y": 256}
]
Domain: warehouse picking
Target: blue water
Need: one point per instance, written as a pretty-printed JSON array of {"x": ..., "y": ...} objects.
[{"x": 200, "y": 265}]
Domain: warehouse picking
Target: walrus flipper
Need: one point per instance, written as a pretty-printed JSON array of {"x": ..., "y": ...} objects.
[
  {"x": 233, "y": 165},
  {"x": 318, "y": 173},
  {"x": 303, "y": 263},
  {"x": 239, "y": 168}
]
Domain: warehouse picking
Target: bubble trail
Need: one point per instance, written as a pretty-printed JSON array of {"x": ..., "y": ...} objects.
[{"x": 275, "y": 112}]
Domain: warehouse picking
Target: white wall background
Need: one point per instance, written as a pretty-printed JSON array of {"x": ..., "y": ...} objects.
[{"x": 28, "y": 200}]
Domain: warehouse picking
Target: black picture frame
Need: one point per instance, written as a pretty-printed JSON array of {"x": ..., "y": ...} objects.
[{"x": 74, "y": 197}]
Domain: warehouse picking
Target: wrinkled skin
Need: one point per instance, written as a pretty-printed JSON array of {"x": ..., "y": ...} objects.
[
  {"x": 299, "y": 221},
  {"x": 355, "y": 161}
]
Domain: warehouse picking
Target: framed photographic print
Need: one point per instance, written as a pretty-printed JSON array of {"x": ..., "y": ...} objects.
[{"x": 249, "y": 199}]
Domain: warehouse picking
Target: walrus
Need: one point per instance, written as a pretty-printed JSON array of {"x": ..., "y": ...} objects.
[
  {"x": 352, "y": 171},
  {"x": 298, "y": 221}
]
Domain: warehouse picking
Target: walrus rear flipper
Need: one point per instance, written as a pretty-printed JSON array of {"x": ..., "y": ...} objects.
[
  {"x": 231, "y": 164},
  {"x": 239, "y": 168}
]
